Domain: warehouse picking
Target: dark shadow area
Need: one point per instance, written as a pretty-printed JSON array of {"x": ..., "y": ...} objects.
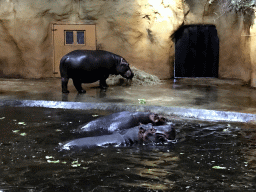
[{"x": 196, "y": 51}]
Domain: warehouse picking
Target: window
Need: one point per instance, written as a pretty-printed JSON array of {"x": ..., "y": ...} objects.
[
  {"x": 80, "y": 37},
  {"x": 69, "y": 37},
  {"x": 74, "y": 37}
]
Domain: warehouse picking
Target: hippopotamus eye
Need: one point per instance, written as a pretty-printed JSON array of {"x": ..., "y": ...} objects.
[
  {"x": 124, "y": 64},
  {"x": 123, "y": 61}
]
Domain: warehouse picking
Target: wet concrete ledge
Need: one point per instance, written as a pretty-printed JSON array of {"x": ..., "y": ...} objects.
[{"x": 200, "y": 114}]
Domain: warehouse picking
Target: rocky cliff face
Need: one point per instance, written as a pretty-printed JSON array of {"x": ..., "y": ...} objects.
[
  {"x": 253, "y": 55},
  {"x": 135, "y": 29},
  {"x": 139, "y": 30}
]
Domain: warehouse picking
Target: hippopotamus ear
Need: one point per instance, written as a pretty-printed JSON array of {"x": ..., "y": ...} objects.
[
  {"x": 149, "y": 135},
  {"x": 141, "y": 134},
  {"x": 142, "y": 130}
]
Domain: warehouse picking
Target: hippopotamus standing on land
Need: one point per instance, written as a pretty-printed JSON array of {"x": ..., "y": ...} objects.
[
  {"x": 120, "y": 121},
  {"x": 136, "y": 135},
  {"x": 88, "y": 66}
]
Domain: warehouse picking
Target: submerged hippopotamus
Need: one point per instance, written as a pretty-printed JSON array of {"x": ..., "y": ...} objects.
[
  {"x": 120, "y": 121},
  {"x": 88, "y": 66},
  {"x": 136, "y": 135}
]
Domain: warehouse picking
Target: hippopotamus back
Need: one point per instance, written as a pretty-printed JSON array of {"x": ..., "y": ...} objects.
[
  {"x": 120, "y": 121},
  {"x": 128, "y": 137},
  {"x": 136, "y": 135}
]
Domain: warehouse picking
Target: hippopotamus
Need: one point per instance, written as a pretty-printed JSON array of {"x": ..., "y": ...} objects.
[
  {"x": 88, "y": 66},
  {"x": 168, "y": 130},
  {"x": 120, "y": 121},
  {"x": 136, "y": 135}
]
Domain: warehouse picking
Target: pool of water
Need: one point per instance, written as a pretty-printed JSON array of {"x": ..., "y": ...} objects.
[{"x": 208, "y": 156}]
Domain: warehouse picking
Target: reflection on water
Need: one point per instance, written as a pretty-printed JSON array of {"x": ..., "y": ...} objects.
[
  {"x": 154, "y": 168},
  {"x": 207, "y": 156}
]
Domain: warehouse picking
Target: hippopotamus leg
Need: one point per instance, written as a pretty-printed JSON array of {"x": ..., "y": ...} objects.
[
  {"x": 78, "y": 85},
  {"x": 103, "y": 84},
  {"x": 64, "y": 84}
]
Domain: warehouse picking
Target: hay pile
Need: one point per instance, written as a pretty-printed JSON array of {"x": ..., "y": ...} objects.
[{"x": 140, "y": 78}]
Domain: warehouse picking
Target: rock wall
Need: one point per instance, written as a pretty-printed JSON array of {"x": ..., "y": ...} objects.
[
  {"x": 235, "y": 48},
  {"x": 134, "y": 29},
  {"x": 253, "y": 55},
  {"x": 139, "y": 30}
]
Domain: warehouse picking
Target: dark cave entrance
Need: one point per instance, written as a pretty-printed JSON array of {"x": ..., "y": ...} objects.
[{"x": 196, "y": 51}]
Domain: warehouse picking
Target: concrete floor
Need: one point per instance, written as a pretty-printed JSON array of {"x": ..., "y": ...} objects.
[{"x": 196, "y": 93}]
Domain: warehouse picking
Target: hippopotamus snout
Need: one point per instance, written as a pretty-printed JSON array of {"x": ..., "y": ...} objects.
[
  {"x": 165, "y": 135},
  {"x": 128, "y": 74},
  {"x": 153, "y": 135}
]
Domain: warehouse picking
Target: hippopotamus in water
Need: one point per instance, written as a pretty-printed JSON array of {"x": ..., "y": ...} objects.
[
  {"x": 167, "y": 130},
  {"x": 120, "y": 121},
  {"x": 88, "y": 66},
  {"x": 136, "y": 135}
]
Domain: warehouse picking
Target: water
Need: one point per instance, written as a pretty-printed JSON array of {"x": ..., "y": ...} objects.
[{"x": 208, "y": 156}]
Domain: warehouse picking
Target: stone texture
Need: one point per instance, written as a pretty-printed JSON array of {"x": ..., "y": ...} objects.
[
  {"x": 139, "y": 30},
  {"x": 128, "y": 28},
  {"x": 253, "y": 55}
]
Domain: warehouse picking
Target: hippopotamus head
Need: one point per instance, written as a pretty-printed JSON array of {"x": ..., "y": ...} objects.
[
  {"x": 155, "y": 135},
  {"x": 157, "y": 119},
  {"x": 123, "y": 69},
  {"x": 147, "y": 135},
  {"x": 150, "y": 135},
  {"x": 165, "y": 136}
]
